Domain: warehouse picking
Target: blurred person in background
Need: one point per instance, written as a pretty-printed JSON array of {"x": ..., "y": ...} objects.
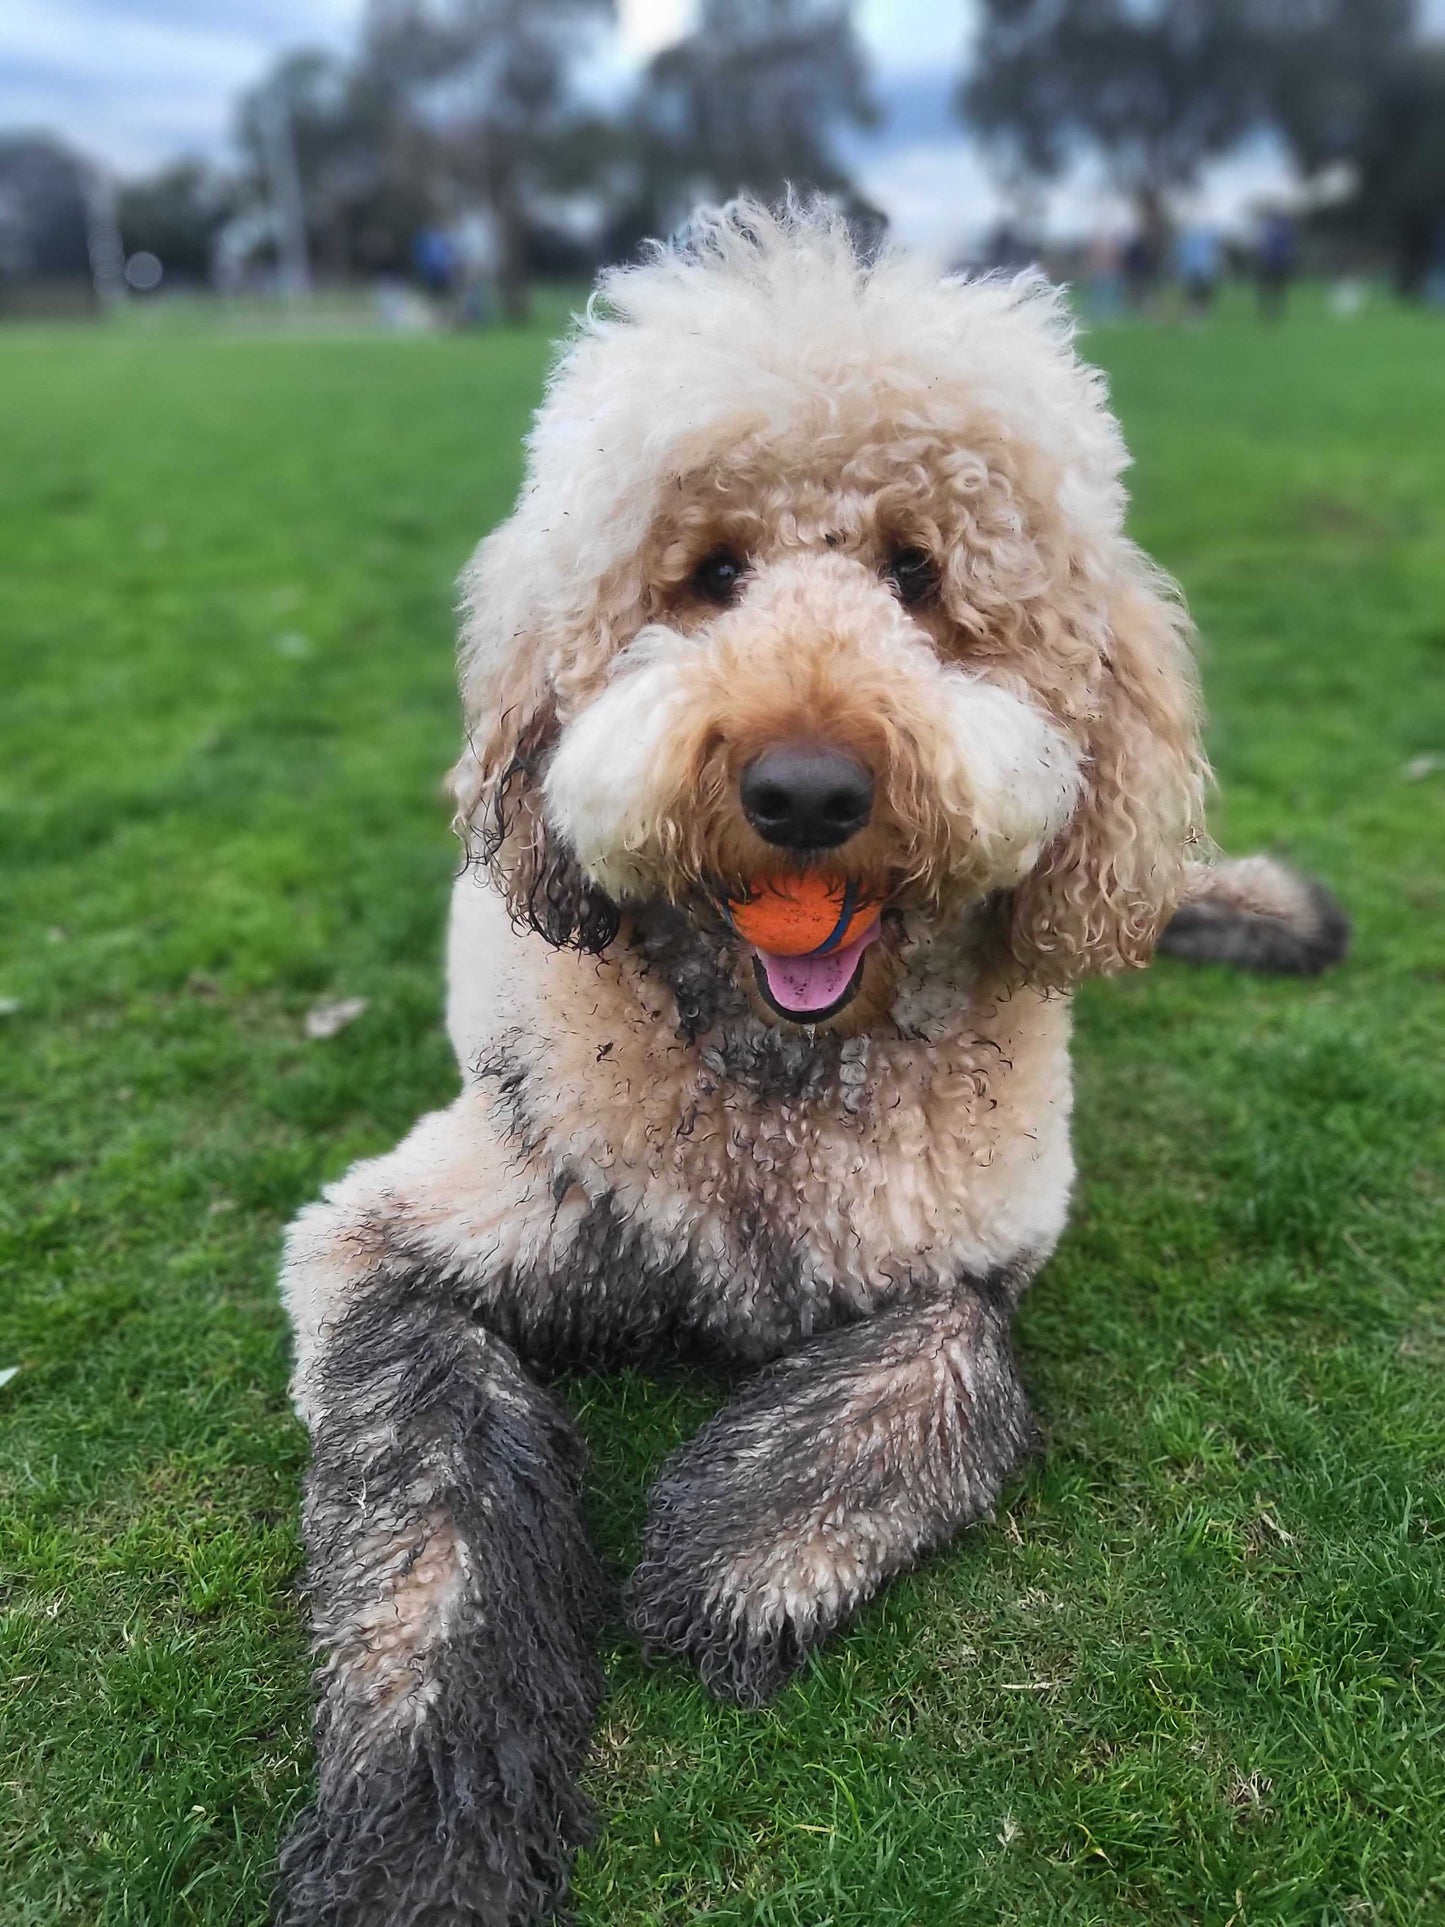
[
  {"x": 475, "y": 244},
  {"x": 1141, "y": 263},
  {"x": 1199, "y": 263},
  {"x": 1276, "y": 257},
  {"x": 434, "y": 257},
  {"x": 1104, "y": 269}
]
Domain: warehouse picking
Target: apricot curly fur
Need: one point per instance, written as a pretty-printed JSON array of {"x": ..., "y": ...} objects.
[{"x": 645, "y": 1158}]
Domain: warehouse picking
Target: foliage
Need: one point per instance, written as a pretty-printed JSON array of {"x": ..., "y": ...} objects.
[
  {"x": 452, "y": 106},
  {"x": 1160, "y": 88},
  {"x": 1193, "y": 1671},
  {"x": 484, "y": 83},
  {"x": 174, "y": 214},
  {"x": 367, "y": 178},
  {"x": 1356, "y": 87},
  {"x": 43, "y": 188},
  {"x": 751, "y": 102},
  {"x": 1157, "y": 90},
  {"x": 1328, "y": 59},
  {"x": 1399, "y": 153}
]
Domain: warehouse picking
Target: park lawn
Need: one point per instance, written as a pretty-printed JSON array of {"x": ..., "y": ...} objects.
[{"x": 1193, "y": 1671}]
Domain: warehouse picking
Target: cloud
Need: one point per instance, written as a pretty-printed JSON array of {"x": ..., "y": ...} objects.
[
  {"x": 645, "y": 27},
  {"x": 136, "y": 82},
  {"x": 917, "y": 37},
  {"x": 938, "y": 195}
]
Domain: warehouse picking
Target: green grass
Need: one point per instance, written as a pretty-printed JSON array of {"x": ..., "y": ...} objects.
[{"x": 1194, "y": 1672}]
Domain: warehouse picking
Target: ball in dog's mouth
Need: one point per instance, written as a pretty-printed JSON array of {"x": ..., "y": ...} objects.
[{"x": 810, "y": 936}]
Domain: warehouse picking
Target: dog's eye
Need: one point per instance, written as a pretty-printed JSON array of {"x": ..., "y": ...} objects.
[
  {"x": 717, "y": 577},
  {"x": 912, "y": 573}
]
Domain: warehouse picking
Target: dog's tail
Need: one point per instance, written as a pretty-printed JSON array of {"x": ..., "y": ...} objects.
[{"x": 1255, "y": 913}]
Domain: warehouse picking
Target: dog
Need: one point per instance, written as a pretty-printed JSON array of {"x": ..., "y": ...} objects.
[{"x": 818, "y": 580}]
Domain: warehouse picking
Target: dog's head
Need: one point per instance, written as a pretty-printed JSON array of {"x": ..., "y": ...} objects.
[{"x": 820, "y": 568}]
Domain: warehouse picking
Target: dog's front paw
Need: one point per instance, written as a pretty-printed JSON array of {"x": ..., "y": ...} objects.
[
  {"x": 830, "y": 1472},
  {"x": 718, "y": 1585},
  {"x": 744, "y": 1650},
  {"x": 461, "y": 1841}
]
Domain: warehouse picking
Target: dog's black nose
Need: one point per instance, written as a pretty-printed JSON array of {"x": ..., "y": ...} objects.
[{"x": 806, "y": 796}]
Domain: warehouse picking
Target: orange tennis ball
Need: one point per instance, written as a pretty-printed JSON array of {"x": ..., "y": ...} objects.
[{"x": 791, "y": 916}]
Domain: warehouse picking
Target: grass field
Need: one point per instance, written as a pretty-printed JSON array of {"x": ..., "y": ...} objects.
[{"x": 1194, "y": 1670}]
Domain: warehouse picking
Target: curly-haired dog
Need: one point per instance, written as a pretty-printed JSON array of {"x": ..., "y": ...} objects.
[{"x": 819, "y": 570}]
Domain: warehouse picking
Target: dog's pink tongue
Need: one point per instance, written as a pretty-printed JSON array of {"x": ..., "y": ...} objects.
[{"x": 801, "y": 984}]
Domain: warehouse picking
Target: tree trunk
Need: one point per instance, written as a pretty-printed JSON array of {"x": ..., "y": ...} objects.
[
  {"x": 1412, "y": 256},
  {"x": 1152, "y": 213},
  {"x": 514, "y": 289}
]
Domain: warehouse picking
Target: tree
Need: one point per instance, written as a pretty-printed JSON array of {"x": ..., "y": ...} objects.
[
  {"x": 751, "y": 102},
  {"x": 44, "y": 217},
  {"x": 1355, "y": 84},
  {"x": 485, "y": 82},
  {"x": 1399, "y": 162},
  {"x": 366, "y": 173},
  {"x": 1156, "y": 89},
  {"x": 1329, "y": 60},
  {"x": 175, "y": 215}
]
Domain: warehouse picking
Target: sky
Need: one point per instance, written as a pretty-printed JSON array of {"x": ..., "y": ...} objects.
[{"x": 135, "y": 83}]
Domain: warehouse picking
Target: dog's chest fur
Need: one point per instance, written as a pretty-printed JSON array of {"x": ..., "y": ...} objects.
[{"x": 762, "y": 1182}]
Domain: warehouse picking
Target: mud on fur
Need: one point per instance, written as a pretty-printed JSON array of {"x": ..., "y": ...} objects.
[{"x": 785, "y": 507}]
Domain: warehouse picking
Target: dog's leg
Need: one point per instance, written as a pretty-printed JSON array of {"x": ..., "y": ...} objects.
[
  {"x": 454, "y": 1599},
  {"x": 453, "y": 1590},
  {"x": 833, "y": 1470}
]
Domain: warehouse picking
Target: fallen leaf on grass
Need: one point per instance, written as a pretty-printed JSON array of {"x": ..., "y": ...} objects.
[
  {"x": 7, "y": 1372},
  {"x": 1250, "y": 1792},
  {"x": 325, "y": 1020},
  {"x": 1272, "y": 1525}
]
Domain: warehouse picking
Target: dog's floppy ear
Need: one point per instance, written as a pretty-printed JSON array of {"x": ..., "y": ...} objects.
[
  {"x": 509, "y": 700},
  {"x": 1102, "y": 892}
]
